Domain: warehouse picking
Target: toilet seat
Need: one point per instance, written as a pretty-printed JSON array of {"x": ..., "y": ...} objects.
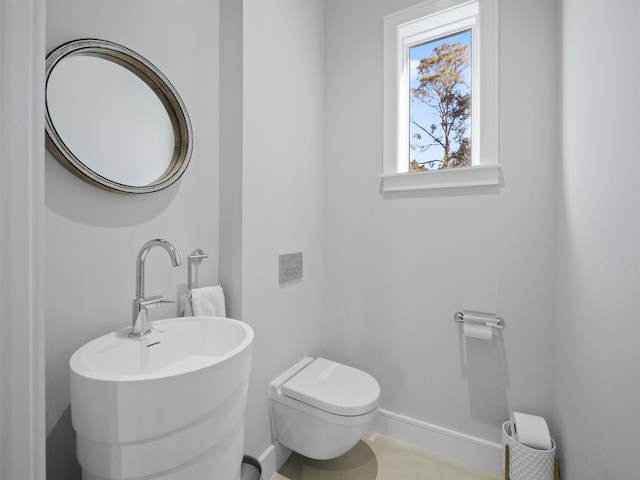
[{"x": 334, "y": 388}]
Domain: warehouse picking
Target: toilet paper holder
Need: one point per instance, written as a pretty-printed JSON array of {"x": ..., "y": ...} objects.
[{"x": 488, "y": 320}]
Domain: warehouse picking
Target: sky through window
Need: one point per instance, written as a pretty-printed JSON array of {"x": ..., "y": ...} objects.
[{"x": 440, "y": 103}]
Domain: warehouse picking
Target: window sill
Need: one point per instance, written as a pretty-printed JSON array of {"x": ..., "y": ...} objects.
[{"x": 477, "y": 176}]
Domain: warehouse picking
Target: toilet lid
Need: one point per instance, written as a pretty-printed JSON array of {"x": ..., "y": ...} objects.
[{"x": 334, "y": 388}]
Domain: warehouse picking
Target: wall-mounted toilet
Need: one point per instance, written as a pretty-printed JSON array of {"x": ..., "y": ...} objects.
[{"x": 321, "y": 408}]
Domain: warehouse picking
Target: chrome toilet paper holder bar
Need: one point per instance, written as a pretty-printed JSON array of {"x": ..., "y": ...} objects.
[{"x": 489, "y": 321}]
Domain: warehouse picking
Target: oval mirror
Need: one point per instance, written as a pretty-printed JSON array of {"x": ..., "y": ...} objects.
[{"x": 113, "y": 118}]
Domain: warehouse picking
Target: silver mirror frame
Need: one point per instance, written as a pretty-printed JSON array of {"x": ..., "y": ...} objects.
[{"x": 155, "y": 79}]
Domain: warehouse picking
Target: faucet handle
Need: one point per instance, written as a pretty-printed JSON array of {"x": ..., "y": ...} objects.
[{"x": 154, "y": 302}]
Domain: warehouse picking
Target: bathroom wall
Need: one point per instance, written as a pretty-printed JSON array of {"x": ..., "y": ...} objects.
[
  {"x": 282, "y": 191},
  {"x": 230, "y": 184},
  {"x": 93, "y": 236},
  {"x": 383, "y": 275},
  {"x": 399, "y": 265},
  {"x": 597, "y": 388},
  {"x": 22, "y": 426}
]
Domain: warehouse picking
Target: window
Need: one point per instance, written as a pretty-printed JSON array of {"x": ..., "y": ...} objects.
[{"x": 441, "y": 92}]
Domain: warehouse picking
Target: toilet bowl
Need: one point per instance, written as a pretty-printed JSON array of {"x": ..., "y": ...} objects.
[{"x": 321, "y": 408}]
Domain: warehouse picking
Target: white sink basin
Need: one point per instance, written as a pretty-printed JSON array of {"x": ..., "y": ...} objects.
[{"x": 169, "y": 405}]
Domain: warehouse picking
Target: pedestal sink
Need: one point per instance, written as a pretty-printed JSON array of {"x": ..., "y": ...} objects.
[{"x": 168, "y": 406}]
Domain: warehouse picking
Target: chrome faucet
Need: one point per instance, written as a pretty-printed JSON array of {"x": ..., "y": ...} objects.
[{"x": 141, "y": 303}]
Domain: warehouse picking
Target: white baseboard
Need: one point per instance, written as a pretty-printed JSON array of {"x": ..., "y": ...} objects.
[
  {"x": 272, "y": 459},
  {"x": 459, "y": 447}
]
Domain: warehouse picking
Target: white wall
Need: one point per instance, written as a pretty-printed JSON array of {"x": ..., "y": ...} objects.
[
  {"x": 230, "y": 184},
  {"x": 22, "y": 425},
  {"x": 282, "y": 191},
  {"x": 399, "y": 266},
  {"x": 597, "y": 388},
  {"x": 93, "y": 236},
  {"x": 383, "y": 274}
]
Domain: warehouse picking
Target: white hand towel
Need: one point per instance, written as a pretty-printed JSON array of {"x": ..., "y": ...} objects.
[{"x": 208, "y": 301}]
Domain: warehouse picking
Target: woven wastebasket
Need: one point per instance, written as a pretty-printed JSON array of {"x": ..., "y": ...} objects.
[{"x": 526, "y": 463}]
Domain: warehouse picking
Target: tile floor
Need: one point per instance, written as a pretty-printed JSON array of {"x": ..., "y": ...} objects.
[{"x": 377, "y": 457}]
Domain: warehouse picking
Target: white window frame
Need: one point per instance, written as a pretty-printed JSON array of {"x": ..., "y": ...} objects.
[{"x": 420, "y": 24}]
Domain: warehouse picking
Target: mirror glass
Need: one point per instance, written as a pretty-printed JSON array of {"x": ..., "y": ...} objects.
[{"x": 113, "y": 119}]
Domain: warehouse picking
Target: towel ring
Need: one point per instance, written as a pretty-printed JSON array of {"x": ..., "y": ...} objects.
[{"x": 195, "y": 258}]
